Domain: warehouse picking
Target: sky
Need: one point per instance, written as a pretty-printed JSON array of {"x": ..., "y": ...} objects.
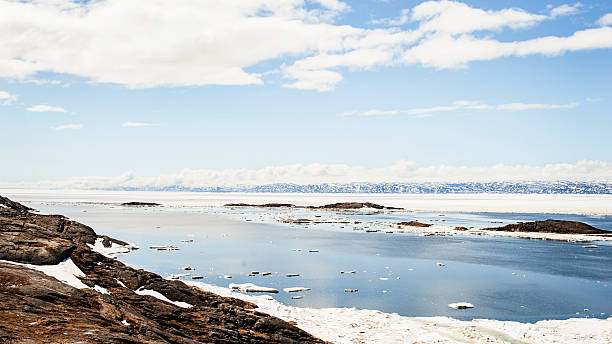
[{"x": 113, "y": 92}]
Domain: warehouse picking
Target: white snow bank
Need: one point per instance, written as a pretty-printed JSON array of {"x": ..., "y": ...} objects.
[
  {"x": 65, "y": 272},
  {"x": 350, "y": 325},
  {"x": 111, "y": 252},
  {"x": 251, "y": 288},
  {"x": 100, "y": 289},
  {"x": 449, "y": 230},
  {"x": 160, "y": 296}
]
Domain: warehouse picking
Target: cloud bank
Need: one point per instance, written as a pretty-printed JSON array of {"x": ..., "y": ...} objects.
[
  {"x": 403, "y": 171},
  {"x": 188, "y": 43}
]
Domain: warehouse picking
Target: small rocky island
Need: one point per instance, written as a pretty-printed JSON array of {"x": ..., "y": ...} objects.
[
  {"x": 332, "y": 206},
  {"x": 108, "y": 302},
  {"x": 551, "y": 226},
  {"x": 140, "y": 204}
]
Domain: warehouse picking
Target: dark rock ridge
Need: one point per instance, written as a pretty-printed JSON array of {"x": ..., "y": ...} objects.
[
  {"x": 551, "y": 226},
  {"x": 13, "y": 205},
  {"x": 140, "y": 204},
  {"x": 37, "y": 308},
  {"x": 342, "y": 205},
  {"x": 414, "y": 224}
]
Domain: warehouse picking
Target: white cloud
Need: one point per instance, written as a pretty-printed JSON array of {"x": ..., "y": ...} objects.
[
  {"x": 455, "y": 17},
  {"x": 136, "y": 124},
  {"x": 564, "y": 10},
  {"x": 605, "y": 20},
  {"x": 403, "y": 171},
  {"x": 7, "y": 98},
  {"x": 45, "y": 108},
  {"x": 463, "y": 105},
  {"x": 69, "y": 126},
  {"x": 186, "y": 43},
  {"x": 404, "y": 18},
  {"x": 447, "y": 51}
]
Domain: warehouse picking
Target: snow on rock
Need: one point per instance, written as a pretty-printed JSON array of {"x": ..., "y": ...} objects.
[
  {"x": 160, "y": 296},
  {"x": 100, "y": 289},
  {"x": 66, "y": 272},
  {"x": 351, "y": 325},
  {"x": 111, "y": 252},
  {"x": 251, "y": 288}
]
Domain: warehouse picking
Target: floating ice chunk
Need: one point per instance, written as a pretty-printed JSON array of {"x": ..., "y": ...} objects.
[
  {"x": 295, "y": 289},
  {"x": 197, "y": 277},
  {"x": 297, "y": 297},
  {"x": 440, "y": 264},
  {"x": 266, "y": 273},
  {"x": 292, "y": 275},
  {"x": 178, "y": 276},
  {"x": 461, "y": 305},
  {"x": 252, "y": 288},
  {"x": 187, "y": 268},
  {"x": 383, "y": 278},
  {"x": 313, "y": 251},
  {"x": 160, "y": 296},
  {"x": 227, "y": 276},
  {"x": 187, "y": 240},
  {"x": 590, "y": 246},
  {"x": 350, "y": 290}
]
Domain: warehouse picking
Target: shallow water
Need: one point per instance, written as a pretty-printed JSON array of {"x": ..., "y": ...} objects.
[{"x": 550, "y": 280}]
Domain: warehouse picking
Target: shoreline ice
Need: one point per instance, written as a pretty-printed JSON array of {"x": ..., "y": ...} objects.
[
  {"x": 581, "y": 204},
  {"x": 351, "y": 325}
]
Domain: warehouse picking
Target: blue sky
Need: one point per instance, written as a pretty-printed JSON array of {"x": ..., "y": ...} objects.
[{"x": 304, "y": 85}]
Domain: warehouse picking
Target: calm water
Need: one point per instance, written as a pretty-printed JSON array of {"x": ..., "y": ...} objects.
[{"x": 505, "y": 278}]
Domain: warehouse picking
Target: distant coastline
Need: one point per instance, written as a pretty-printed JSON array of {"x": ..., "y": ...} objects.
[{"x": 527, "y": 187}]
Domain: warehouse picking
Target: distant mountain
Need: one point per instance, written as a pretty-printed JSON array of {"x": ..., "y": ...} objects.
[{"x": 559, "y": 187}]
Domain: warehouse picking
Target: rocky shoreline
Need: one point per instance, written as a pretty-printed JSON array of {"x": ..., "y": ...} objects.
[{"x": 109, "y": 302}]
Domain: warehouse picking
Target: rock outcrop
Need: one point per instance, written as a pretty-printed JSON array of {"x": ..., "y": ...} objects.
[
  {"x": 551, "y": 226},
  {"x": 414, "y": 224},
  {"x": 140, "y": 204},
  {"x": 37, "y": 308}
]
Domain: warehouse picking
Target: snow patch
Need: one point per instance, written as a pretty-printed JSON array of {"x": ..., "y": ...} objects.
[
  {"x": 100, "y": 289},
  {"x": 160, "y": 296},
  {"x": 111, "y": 252},
  {"x": 66, "y": 272}
]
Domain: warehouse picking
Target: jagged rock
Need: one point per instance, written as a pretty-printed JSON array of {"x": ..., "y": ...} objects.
[
  {"x": 551, "y": 226},
  {"x": 40, "y": 239},
  {"x": 13, "y": 205}
]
